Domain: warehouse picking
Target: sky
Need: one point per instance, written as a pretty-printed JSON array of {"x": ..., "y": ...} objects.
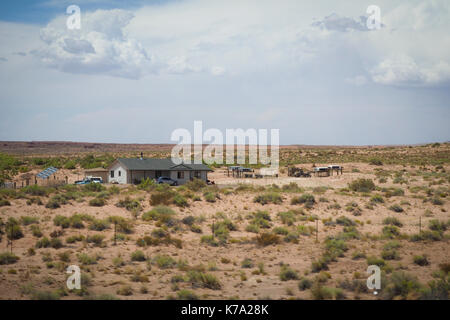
[{"x": 137, "y": 70}]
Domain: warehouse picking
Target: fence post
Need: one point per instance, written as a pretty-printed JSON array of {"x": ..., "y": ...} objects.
[{"x": 317, "y": 230}]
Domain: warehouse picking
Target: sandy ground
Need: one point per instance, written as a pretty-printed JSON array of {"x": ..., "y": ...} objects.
[{"x": 237, "y": 282}]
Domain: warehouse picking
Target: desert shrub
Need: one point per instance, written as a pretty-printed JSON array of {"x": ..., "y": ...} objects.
[
  {"x": 358, "y": 255},
  {"x": 362, "y": 185},
  {"x": 421, "y": 260},
  {"x": 400, "y": 285},
  {"x": 99, "y": 225},
  {"x": 195, "y": 184},
  {"x": 129, "y": 204},
  {"x": 86, "y": 259},
  {"x": 305, "y": 230},
  {"x": 61, "y": 221},
  {"x": 196, "y": 229},
  {"x": 390, "y": 232},
  {"x": 164, "y": 261},
  {"x": 56, "y": 201},
  {"x": 125, "y": 290},
  {"x": 75, "y": 238},
  {"x": 122, "y": 225},
  {"x": 287, "y": 217},
  {"x": 269, "y": 197},
  {"x": 307, "y": 199},
  {"x": 390, "y": 254},
  {"x": 8, "y": 258},
  {"x": 375, "y": 162},
  {"x": 138, "y": 256},
  {"x": 375, "y": 261},
  {"x": 76, "y": 221},
  {"x": 209, "y": 239},
  {"x": 189, "y": 220},
  {"x": 287, "y": 273},
  {"x": 437, "y": 225},
  {"x": 163, "y": 214},
  {"x": 344, "y": 221},
  {"x": 13, "y": 229},
  {"x": 96, "y": 239},
  {"x": 427, "y": 235},
  {"x": 280, "y": 231},
  {"x": 36, "y": 190},
  {"x": 377, "y": 199},
  {"x": 254, "y": 228},
  {"x": 97, "y": 202},
  {"x": 436, "y": 201},
  {"x": 4, "y": 202},
  {"x": 56, "y": 243},
  {"x": 393, "y": 192},
  {"x": 204, "y": 280},
  {"x": 392, "y": 221},
  {"x": 94, "y": 187},
  {"x": 247, "y": 263},
  {"x": 265, "y": 239},
  {"x": 180, "y": 201},
  {"x": 43, "y": 243},
  {"x": 320, "y": 292},
  {"x": 36, "y": 231},
  {"x": 396, "y": 208},
  {"x": 210, "y": 197},
  {"x": 44, "y": 295},
  {"x": 304, "y": 284},
  {"x": 147, "y": 184},
  {"x": 185, "y": 294},
  {"x": 162, "y": 196}
]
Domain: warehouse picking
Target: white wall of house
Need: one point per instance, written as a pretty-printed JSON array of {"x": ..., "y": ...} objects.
[
  {"x": 120, "y": 174},
  {"x": 185, "y": 177}
]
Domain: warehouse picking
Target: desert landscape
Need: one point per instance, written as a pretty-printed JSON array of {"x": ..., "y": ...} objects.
[{"x": 271, "y": 238}]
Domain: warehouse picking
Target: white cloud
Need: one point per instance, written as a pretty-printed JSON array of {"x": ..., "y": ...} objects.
[
  {"x": 99, "y": 47},
  {"x": 403, "y": 70},
  {"x": 342, "y": 24}
]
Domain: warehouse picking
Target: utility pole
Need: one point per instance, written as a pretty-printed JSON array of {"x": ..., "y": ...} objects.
[
  {"x": 420, "y": 224},
  {"x": 11, "y": 238},
  {"x": 317, "y": 230},
  {"x": 115, "y": 230}
]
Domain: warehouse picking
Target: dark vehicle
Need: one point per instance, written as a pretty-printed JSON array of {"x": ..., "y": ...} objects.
[{"x": 167, "y": 180}]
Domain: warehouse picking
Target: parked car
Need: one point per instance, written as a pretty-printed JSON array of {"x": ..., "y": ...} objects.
[
  {"x": 88, "y": 180},
  {"x": 96, "y": 180},
  {"x": 167, "y": 180},
  {"x": 84, "y": 181}
]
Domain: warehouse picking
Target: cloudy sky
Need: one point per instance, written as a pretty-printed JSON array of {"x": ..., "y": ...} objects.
[{"x": 137, "y": 70}]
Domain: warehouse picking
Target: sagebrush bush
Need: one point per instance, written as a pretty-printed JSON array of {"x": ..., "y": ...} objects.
[
  {"x": 97, "y": 202},
  {"x": 266, "y": 239},
  {"x": 421, "y": 260},
  {"x": 8, "y": 258},
  {"x": 307, "y": 199},
  {"x": 362, "y": 185},
  {"x": 396, "y": 208},
  {"x": 185, "y": 294},
  {"x": 204, "y": 280},
  {"x": 269, "y": 197},
  {"x": 287, "y": 273},
  {"x": 392, "y": 221},
  {"x": 138, "y": 256}
]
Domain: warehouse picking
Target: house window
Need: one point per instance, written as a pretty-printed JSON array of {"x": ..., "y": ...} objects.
[
  {"x": 119, "y": 173},
  {"x": 112, "y": 173},
  {"x": 197, "y": 174},
  {"x": 180, "y": 174}
]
